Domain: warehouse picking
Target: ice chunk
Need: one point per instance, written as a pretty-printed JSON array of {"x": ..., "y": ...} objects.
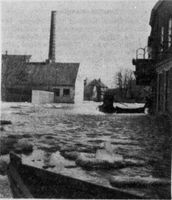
[{"x": 107, "y": 154}]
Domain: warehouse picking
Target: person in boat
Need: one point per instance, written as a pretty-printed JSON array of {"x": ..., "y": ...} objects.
[
  {"x": 107, "y": 106},
  {"x": 149, "y": 104}
]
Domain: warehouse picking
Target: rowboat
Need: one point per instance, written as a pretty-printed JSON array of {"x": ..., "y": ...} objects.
[
  {"x": 118, "y": 109},
  {"x": 32, "y": 182},
  {"x": 129, "y": 110}
]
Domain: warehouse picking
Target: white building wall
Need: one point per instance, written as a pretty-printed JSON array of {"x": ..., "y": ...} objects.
[{"x": 41, "y": 97}]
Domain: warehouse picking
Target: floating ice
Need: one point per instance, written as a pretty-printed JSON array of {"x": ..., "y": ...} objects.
[{"x": 107, "y": 154}]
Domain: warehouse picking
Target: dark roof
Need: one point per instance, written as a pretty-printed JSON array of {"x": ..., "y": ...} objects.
[
  {"x": 96, "y": 82},
  {"x": 17, "y": 71},
  {"x": 88, "y": 89},
  {"x": 53, "y": 74},
  {"x": 18, "y": 58},
  {"x": 13, "y": 69}
]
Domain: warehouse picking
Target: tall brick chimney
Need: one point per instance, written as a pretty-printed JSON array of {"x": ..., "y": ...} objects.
[{"x": 52, "y": 44}]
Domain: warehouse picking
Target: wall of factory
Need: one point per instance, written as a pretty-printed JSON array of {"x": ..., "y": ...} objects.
[
  {"x": 64, "y": 94},
  {"x": 17, "y": 95}
]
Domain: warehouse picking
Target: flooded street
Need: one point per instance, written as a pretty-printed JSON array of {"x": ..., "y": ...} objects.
[{"x": 62, "y": 135}]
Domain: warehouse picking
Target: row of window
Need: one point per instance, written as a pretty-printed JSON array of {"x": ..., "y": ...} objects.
[
  {"x": 169, "y": 35},
  {"x": 66, "y": 92},
  {"x": 163, "y": 87}
]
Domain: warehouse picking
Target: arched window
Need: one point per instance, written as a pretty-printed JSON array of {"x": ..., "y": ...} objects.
[{"x": 170, "y": 32}]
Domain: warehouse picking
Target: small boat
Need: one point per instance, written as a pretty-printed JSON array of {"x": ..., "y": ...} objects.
[
  {"x": 118, "y": 109},
  {"x": 130, "y": 110},
  {"x": 31, "y": 182}
]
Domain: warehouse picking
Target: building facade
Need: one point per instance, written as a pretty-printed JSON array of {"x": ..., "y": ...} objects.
[{"x": 155, "y": 67}]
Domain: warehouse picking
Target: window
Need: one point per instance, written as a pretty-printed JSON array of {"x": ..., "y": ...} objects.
[
  {"x": 160, "y": 92},
  {"x": 162, "y": 38},
  {"x": 66, "y": 92},
  {"x": 170, "y": 32},
  {"x": 166, "y": 90},
  {"x": 57, "y": 92}
]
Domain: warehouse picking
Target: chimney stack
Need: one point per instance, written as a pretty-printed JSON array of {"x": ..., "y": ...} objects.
[{"x": 52, "y": 44}]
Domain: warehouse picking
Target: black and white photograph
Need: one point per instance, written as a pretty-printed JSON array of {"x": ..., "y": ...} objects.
[{"x": 86, "y": 99}]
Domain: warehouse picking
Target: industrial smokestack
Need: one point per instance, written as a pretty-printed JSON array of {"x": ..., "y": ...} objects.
[{"x": 52, "y": 44}]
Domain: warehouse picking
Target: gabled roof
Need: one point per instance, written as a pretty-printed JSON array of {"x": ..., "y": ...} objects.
[
  {"x": 96, "y": 82},
  {"x": 19, "y": 72},
  {"x": 53, "y": 74}
]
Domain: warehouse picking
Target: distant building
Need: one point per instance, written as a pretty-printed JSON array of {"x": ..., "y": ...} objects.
[
  {"x": 155, "y": 68},
  {"x": 94, "y": 90},
  {"x": 20, "y": 76}
]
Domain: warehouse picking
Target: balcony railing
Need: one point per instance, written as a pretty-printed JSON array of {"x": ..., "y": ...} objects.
[{"x": 144, "y": 66}]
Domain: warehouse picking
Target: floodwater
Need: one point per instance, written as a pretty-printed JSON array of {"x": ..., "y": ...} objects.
[{"x": 55, "y": 130}]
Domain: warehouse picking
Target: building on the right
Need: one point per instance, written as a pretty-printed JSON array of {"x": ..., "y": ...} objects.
[{"x": 154, "y": 66}]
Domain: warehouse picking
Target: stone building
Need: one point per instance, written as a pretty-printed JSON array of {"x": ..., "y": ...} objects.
[
  {"x": 20, "y": 76},
  {"x": 155, "y": 67}
]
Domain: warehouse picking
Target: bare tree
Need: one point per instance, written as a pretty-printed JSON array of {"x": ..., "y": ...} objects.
[{"x": 125, "y": 82}]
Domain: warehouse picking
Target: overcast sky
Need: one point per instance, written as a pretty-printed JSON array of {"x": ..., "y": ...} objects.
[{"x": 101, "y": 35}]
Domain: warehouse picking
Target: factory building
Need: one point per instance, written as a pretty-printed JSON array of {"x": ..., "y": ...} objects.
[{"x": 20, "y": 76}]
